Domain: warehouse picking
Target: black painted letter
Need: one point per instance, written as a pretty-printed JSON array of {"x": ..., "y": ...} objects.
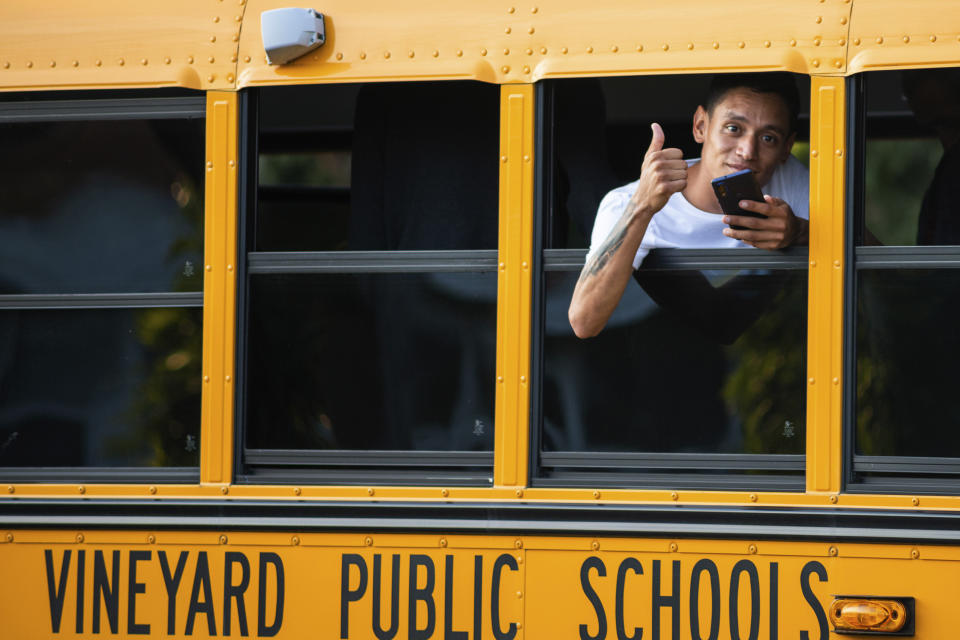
[
  {"x": 172, "y": 583},
  {"x": 744, "y": 566},
  {"x": 391, "y": 631},
  {"x": 58, "y": 593},
  {"x": 634, "y": 565},
  {"x": 593, "y": 562},
  {"x": 424, "y": 595},
  {"x": 708, "y": 566},
  {"x": 348, "y": 595},
  {"x": 448, "y": 632},
  {"x": 235, "y": 592},
  {"x": 133, "y": 588},
  {"x": 673, "y": 602},
  {"x": 201, "y": 580},
  {"x": 814, "y": 567},
  {"x": 108, "y": 589},
  {"x": 264, "y": 630},
  {"x": 504, "y": 559}
]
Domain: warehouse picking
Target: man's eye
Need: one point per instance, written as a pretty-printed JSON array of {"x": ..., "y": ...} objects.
[
  {"x": 769, "y": 139},
  {"x": 732, "y": 128}
]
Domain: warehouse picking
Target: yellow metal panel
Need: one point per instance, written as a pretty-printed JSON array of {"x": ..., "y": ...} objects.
[
  {"x": 513, "y": 286},
  {"x": 825, "y": 312},
  {"x": 219, "y": 287},
  {"x": 291, "y": 584},
  {"x": 514, "y": 43},
  {"x": 889, "y": 34},
  {"x": 61, "y": 44}
]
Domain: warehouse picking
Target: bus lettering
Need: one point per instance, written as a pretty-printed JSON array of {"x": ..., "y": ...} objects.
[
  {"x": 361, "y": 578},
  {"x": 107, "y": 589},
  {"x": 808, "y": 595},
  {"x": 670, "y": 596}
]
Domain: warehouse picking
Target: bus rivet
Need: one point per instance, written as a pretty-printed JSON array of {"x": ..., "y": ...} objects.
[
  {"x": 206, "y": 378},
  {"x": 526, "y": 69},
  {"x": 589, "y": 49},
  {"x": 543, "y": 50},
  {"x": 213, "y": 38},
  {"x": 836, "y": 263},
  {"x": 673, "y": 546},
  {"x": 689, "y": 46},
  {"x": 223, "y": 539},
  {"x": 914, "y": 553},
  {"x": 528, "y": 51},
  {"x": 368, "y": 541},
  {"x": 596, "y": 494},
  {"x": 228, "y": 378},
  {"x": 741, "y": 44},
  {"x": 519, "y": 594},
  {"x": 838, "y": 152},
  {"x": 339, "y": 56},
  {"x": 224, "y": 489},
  {"x": 82, "y": 489},
  {"x": 856, "y": 42},
  {"x": 933, "y": 38},
  {"x": 674, "y": 496},
  {"x": 519, "y": 625},
  {"x": 639, "y": 48},
  {"x": 819, "y": 19},
  {"x": 121, "y": 62},
  {"x": 295, "y": 540},
  {"x": 443, "y": 542},
  {"x": 595, "y": 545},
  {"x": 151, "y": 538},
  {"x": 833, "y": 551},
  {"x": 843, "y": 20},
  {"x": 99, "y": 63},
  {"x": 841, "y": 42},
  {"x": 216, "y": 19},
  {"x": 208, "y": 267},
  {"x": 519, "y": 559},
  {"x": 370, "y": 491},
  {"x": 880, "y": 40},
  {"x": 459, "y": 53},
  {"x": 238, "y": 18},
  {"x": 833, "y": 499},
  {"x": 564, "y": 50},
  {"x": 534, "y": 9},
  {"x": 152, "y": 489},
  {"x": 10, "y": 488},
  {"x": 511, "y": 9},
  {"x": 518, "y": 543},
  {"x": 816, "y": 42},
  {"x": 483, "y": 52},
  {"x": 531, "y": 30},
  {"x": 211, "y": 78},
  {"x": 524, "y": 264},
  {"x": 503, "y": 266},
  {"x": 836, "y": 380},
  {"x": 247, "y": 58},
  {"x": 906, "y": 39},
  {"x": 793, "y": 43},
  {"x": 29, "y": 64},
  {"x": 752, "y": 548},
  {"x": 523, "y": 379},
  {"x": 499, "y": 378},
  {"x": 411, "y": 53},
  {"x": 166, "y": 60},
  {"x": 766, "y": 44},
  {"x": 811, "y": 381},
  {"x": 915, "y": 501},
  {"x": 665, "y": 47},
  {"x": 296, "y": 491},
  {"x": 614, "y": 48},
  {"x": 9, "y": 537},
  {"x": 53, "y": 63},
  {"x": 503, "y": 159},
  {"x": 814, "y": 153},
  {"x": 436, "y": 54},
  {"x": 716, "y": 45},
  {"x": 815, "y": 63},
  {"x": 753, "y": 497},
  {"x": 80, "y": 537},
  {"x": 75, "y": 63},
  {"x": 519, "y": 493},
  {"x": 444, "y": 492},
  {"x": 507, "y": 30},
  {"x": 386, "y": 54}
]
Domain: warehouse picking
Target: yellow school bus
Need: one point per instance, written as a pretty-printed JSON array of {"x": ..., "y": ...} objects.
[{"x": 284, "y": 348}]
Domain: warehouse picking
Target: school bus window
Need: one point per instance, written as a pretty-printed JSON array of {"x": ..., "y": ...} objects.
[
  {"x": 906, "y": 177},
  {"x": 101, "y": 279},
  {"x": 371, "y": 308},
  {"x": 709, "y": 342}
]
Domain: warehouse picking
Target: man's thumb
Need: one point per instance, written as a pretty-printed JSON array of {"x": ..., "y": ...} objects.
[{"x": 656, "y": 142}]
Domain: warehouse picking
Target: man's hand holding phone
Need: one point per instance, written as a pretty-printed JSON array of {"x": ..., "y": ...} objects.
[{"x": 778, "y": 230}]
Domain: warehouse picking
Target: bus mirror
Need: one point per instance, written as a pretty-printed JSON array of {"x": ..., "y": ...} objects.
[{"x": 290, "y": 33}]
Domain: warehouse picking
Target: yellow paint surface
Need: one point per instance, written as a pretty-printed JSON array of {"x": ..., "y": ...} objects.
[{"x": 296, "y": 585}]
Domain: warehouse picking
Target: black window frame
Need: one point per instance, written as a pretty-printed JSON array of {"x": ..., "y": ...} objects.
[
  {"x": 84, "y": 106},
  {"x": 879, "y": 474},
  {"x": 639, "y": 470},
  {"x": 335, "y": 466}
]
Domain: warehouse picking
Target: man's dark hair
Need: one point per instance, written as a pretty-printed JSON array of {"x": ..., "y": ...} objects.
[{"x": 780, "y": 83}]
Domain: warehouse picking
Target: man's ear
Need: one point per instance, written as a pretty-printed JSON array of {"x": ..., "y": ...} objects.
[
  {"x": 700, "y": 124},
  {"x": 788, "y": 146}
]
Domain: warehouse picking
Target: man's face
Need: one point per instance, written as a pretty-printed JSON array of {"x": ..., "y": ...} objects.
[{"x": 745, "y": 130}]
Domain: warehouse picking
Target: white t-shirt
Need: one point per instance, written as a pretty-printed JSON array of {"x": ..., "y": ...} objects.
[{"x": 680, "y": 225}]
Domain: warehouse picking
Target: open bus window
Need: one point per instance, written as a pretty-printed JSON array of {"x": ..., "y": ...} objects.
[
  {"x": 906, "y": 228},
  {"x": 700, "y": 370},
  {"x": 372, "y": 284},
  {"x": 101, "y": 288}
]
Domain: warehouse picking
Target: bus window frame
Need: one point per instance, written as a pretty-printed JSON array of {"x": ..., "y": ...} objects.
[
  {"x": 336, "y": 466},
  {"x": 77, "y": 107},
  {"x": 600, "y": 469},
  {"x": 880, "y": 474}
]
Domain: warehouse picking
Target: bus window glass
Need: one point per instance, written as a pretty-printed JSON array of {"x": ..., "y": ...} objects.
[
  {"x": 695, "y": 360},
  {"x": 100, "y": 387},
  {"x": 101, "y": 207},
  {"x": 371, "y": 302},
  {"x": 372, "y": 361},
  {"x": 378, "y": 167}
]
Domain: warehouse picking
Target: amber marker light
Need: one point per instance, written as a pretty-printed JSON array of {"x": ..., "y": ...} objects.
[{"x": 859, "y": 614}]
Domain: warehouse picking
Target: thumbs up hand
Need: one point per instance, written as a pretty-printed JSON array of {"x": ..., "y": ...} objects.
[{"x": 663, "y": 174}]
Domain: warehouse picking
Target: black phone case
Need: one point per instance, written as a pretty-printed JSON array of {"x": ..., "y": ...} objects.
[{"x": 733, "y": 188}]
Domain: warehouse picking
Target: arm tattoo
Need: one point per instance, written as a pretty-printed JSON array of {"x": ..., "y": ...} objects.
[{"x": 608, "y": 249}]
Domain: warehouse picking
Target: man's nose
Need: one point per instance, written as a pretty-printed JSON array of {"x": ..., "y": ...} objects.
[{"x": 747, "y": 147}]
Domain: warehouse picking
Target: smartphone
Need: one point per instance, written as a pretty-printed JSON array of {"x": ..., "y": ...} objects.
[{"x": 733, "y": 188}]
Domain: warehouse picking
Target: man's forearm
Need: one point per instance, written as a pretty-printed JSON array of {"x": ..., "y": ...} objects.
[{"x": 606, "y": 273}]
